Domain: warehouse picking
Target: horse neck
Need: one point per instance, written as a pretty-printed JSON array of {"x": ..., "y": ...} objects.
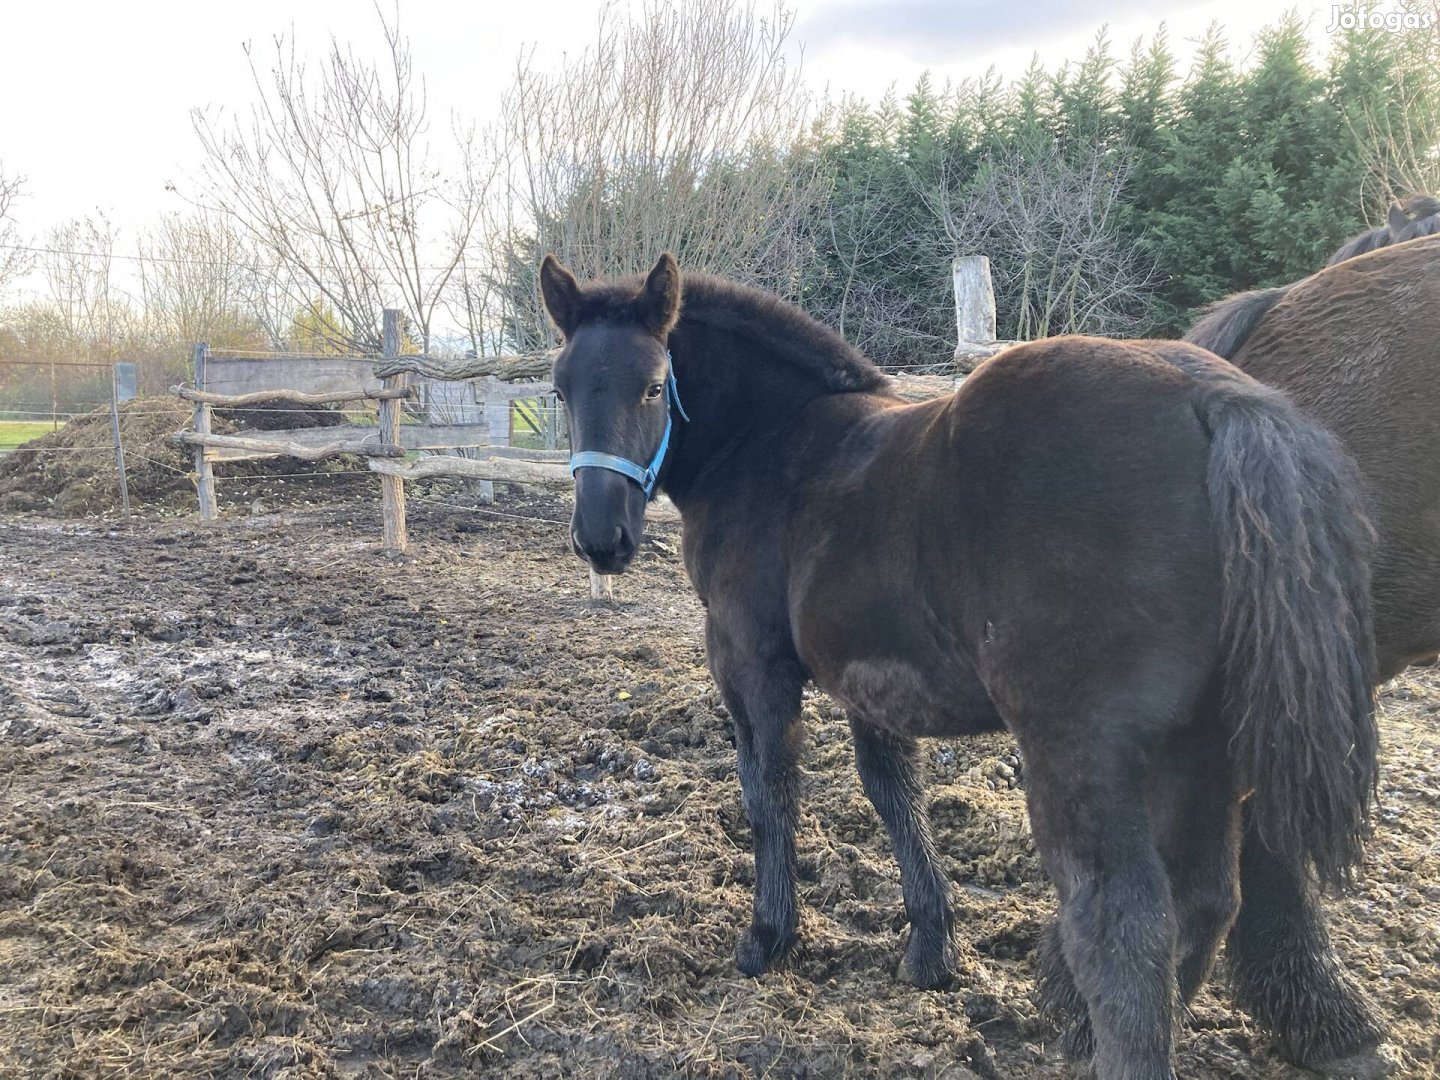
[{"x": 741, "y": 399}]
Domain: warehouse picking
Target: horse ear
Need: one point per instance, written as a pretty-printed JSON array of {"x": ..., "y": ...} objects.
[
  {"x": 1397, "y": 219},
  {"x": 660, "y": 299},
  {"x": 561, "y": 292}
]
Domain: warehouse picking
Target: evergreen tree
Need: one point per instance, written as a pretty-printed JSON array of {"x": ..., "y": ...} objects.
[
  {"x": 1177, "y": 219},
  {"x": 1218, "y": 181}
]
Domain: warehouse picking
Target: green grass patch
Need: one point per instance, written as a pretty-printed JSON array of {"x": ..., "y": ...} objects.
[
  {"x": 15, "y": 432},
  {"x": 527, "y": 428}
]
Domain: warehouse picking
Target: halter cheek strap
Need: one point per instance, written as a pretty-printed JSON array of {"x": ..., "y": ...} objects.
[{"x": 647, "y": 475}]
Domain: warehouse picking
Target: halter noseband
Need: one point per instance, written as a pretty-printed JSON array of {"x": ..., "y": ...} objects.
[{"x": 647, "y": 475}]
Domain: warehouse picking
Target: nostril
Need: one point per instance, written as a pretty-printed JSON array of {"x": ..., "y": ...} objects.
[{"x": 611, "y": 546}]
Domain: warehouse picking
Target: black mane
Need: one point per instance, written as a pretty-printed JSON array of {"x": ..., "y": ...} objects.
[
  {"x": 794, "y": 337},
  {"x": 1412, "y": 217}
]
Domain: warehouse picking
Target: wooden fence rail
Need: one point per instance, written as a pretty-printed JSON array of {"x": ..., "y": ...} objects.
[
  {"x": 255, "y": 447},
  {"x": 297, "y": 397}
]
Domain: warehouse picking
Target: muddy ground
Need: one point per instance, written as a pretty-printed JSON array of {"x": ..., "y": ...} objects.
[{"x": 272, "y": 805}]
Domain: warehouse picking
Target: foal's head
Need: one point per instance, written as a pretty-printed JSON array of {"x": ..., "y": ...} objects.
[{"x": 615, "y": 379}]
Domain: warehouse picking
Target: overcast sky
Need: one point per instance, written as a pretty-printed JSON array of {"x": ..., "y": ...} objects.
[{"x": 97, "y": 94}]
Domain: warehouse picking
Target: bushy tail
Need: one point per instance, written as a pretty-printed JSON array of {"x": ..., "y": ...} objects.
[
  {"x": 1297, "y": 634},
  {"x": 1227, "y": 324}
]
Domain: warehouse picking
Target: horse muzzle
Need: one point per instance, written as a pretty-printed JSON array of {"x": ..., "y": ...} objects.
[{"x": 608, "y": 551}]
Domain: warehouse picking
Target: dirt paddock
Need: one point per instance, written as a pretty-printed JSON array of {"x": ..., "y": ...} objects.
[{"x": 272, "y": 805}]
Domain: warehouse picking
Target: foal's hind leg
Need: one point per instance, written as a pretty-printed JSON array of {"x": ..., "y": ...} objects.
[
  {"x": 1195, "y": 819},
  {"x": 887, "y": 765},
  {"x": 1116, "y": 926},
  {"x": 1286, "y": 975}
]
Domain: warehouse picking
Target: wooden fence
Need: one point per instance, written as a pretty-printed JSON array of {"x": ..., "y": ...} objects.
[{"x": 387, "y": 445}]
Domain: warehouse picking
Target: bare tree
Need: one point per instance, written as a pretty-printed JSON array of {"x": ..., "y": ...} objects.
[
  {"x": 333, "y": 175},
  {"x": 202, "y": 280},
  {"x": 15, "y": 261},
  {"x": 1047, "y": 218},
  {"x": 1399, "y": 137},
  {"x": 674, "y": 131},
  {"x": 77, "y": 266}
]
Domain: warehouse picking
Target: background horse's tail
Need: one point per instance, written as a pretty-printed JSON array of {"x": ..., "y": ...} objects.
[
  {"x": 1227, "y": 324},
  {"x": 1297, "y": 638}
]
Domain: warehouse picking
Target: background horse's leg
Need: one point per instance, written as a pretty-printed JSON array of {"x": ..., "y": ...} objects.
[
  {"x": 1286, "y": 975},
  {"x": 764, "y": 702},
  {"x": 1117, "y": 921},
  {"x": 887, "y": 765}
]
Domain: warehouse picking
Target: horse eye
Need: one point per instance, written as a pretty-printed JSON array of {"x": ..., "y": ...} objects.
[{"x": 656, "y": 389}]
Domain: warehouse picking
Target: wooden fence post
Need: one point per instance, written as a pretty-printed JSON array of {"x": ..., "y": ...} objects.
[
  {"x": 601, "y": 587},
  {"x": 115, "y": 436},
  {"x": 550, "y": 420},
  {"x": 204, "y": 476},
  {"x": 974, "y": 299},
  {"x": 392, "y": 488}
]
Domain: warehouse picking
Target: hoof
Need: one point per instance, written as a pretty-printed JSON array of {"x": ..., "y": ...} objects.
[
  {"x": 1372, "y": 1064},
  {"x": 760, "y": 949},
  {"x": 929, "y": 968}
]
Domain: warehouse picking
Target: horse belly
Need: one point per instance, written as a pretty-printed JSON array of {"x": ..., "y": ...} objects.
[{"x": 899, "y": 696}]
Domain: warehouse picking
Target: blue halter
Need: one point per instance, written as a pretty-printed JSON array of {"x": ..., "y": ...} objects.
[{"x": 645, "y": 476}]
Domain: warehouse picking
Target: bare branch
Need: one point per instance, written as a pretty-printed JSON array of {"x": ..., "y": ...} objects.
[
  {"x": 674, "y": 131},
  {"x": 333, "y": 176},
  {"x": 15, "y": 263},
  {"x": 1047, "y": 220}
]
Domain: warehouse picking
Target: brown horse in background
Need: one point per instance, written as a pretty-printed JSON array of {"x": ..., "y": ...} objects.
[{"x": 1357, "y": 347}]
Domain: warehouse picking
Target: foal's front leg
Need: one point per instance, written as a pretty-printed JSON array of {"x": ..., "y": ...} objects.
[
  {"x": 764, "y": 702},
  {"x": 887, "y": 765}
]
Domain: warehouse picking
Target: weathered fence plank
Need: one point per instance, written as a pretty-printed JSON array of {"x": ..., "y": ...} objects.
[
  {"x": 254, "y": 448},
  {"x": 974, "y": 312},
  {"x": 552, "y": 475},
  {"x": 314, "y": 374},
  {"x": 534, "y": 366},
  {"x": 412, "y": 437},
  {"x": 922, "y": 387},
  {"x": 974, "y": 298},
  {"x": 333, "y": 397},
  {"x": 542, "y": 474}
]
